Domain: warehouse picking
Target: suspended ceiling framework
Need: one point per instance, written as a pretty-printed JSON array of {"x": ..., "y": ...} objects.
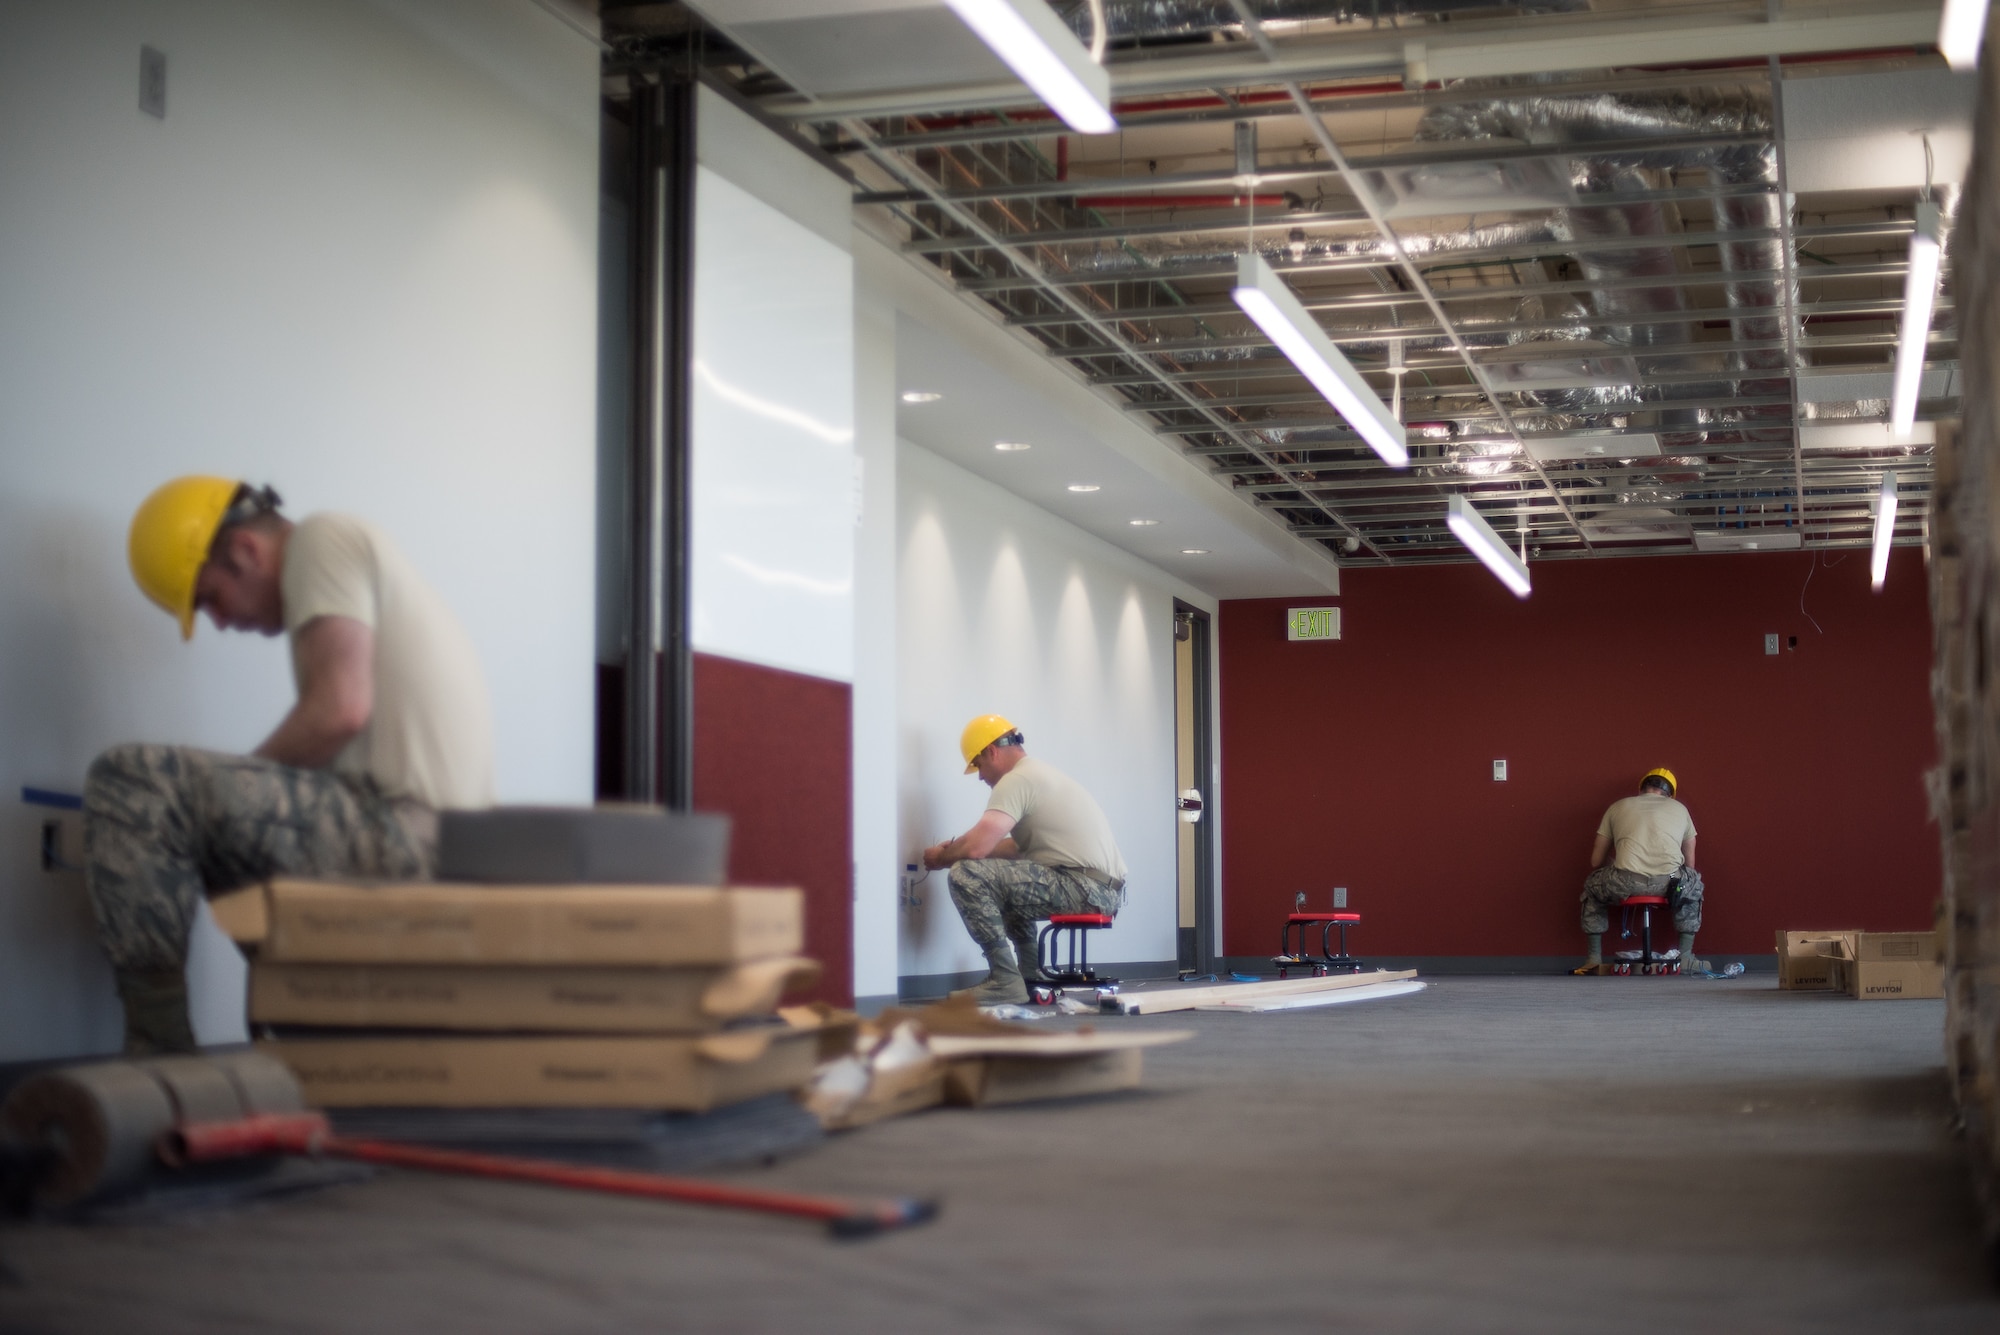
[{"x": 1609, "y": 331}]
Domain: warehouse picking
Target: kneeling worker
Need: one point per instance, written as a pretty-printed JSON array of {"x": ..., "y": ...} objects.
[
  {"x": 391, "y": 723},
  {"x": 1650, "y": 838},
  {"x": 1043, "y": 846}
]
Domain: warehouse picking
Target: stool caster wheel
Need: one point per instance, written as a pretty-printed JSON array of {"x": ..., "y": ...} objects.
[
  {"x": 1041, "y": 995},
  {"x": 1319, "y": 971}
]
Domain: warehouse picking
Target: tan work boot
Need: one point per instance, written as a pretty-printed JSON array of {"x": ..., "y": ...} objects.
[
  {"x": 1003, "y": 985},
  {"x": 156, "y": 1011},
  {"x": 1024, "y": 957}
]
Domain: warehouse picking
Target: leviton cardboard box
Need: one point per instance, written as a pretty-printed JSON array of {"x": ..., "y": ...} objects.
[
  {"x": 429, "y": 922},
  {"x": 1890, "y": 966},
  {"x": 567, "y": 1071},
  {"x": 693, "y": 999},
  {"x": 1806, "y": 960}
]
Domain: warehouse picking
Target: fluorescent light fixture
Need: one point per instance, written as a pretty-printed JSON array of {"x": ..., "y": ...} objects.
[
  {"x": 1194, "y": 551},
  {"x": 1885, "y": 530},
  {"x": 1488, "y": 546},
  {"x": 921, "y": 396},
  {"x": 1960, "y": 29},
  {"x": 1010, "y": 446},
  {"x": 1919, "y": 295},
  {"x": 1083, "y": 486},
  {"x": 1033, "y": 42},
  {"x": 1766, "y": 538},
  {"x": 1286, "y": 322},
  {"x": 1142, "y": 523}
]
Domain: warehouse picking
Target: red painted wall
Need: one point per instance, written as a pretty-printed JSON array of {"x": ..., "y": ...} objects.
[
  {"x": 1367, "y": 762},
  {"x": 773, "y": 749}
]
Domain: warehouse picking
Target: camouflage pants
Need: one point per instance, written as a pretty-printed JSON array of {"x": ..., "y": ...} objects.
[
  {"x": 1004, "y": 898},
  {"x": 164, "y": 826},
  {"x": 1608, "y": 887}
]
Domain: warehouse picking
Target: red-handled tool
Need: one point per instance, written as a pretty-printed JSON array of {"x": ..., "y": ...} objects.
[{"x": 309, "y": 1133}]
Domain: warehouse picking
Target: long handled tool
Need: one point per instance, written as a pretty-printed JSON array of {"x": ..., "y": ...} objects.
[{"x": 309, "y": 1133}]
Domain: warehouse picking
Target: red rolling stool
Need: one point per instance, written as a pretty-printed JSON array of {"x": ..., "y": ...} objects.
[
  {"x": 1077, "y": 971},
  {"x": 1648, "y": 962},
  {"x": 1326, "y": 961}
]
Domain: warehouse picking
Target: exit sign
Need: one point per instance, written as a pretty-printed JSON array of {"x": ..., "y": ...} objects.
[{"x": 1312, "y": 623}]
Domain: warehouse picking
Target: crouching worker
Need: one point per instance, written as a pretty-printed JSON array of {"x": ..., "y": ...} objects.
[
  {"x": 1042, "y": 847},
  {"x": 1650, "y": 840},
  {"x": 391, "y": 723}
]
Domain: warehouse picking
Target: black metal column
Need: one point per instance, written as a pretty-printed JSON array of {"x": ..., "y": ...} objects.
[{"x": 658, "y": 665}]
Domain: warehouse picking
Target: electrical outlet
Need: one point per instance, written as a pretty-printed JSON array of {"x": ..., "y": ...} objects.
[
  {"x": 1770, "y": 644},
  {"x": 1340, "y": 896},
  {"x": 1499, "y": 771}
]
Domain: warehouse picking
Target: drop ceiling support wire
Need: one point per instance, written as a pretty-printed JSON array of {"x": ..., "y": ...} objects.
[
  {"x": 1366, "y": 198},
  {"x": 902, "y": 170}
]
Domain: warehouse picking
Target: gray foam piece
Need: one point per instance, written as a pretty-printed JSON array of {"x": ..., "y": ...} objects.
[{"x": 630, "y": 845}]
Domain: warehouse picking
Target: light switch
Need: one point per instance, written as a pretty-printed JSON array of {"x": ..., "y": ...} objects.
[{"x": 1499, "y": 771}]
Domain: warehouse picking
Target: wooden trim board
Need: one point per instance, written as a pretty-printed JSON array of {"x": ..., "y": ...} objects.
[{"x": 1159, "y": 1001}]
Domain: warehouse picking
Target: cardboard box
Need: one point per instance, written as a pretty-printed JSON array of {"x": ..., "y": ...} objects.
[
  {"x": 427, "y": 922},
  {"x": 990, "y": 1081},
  {"x": 677, "y": 1073},
  {"x": 1805, "y": 960},
  {"x": 890, "y": 1093},
  {"x": 569, "y": 998},
  {"x": 1890, "y": 966},
  {"x": 616, "y": 844}
]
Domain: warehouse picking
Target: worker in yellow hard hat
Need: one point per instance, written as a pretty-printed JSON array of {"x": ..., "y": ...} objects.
[
  {"x": 1645, "y": 846},
  {"x": 1042, "y": 846},
  {"x": 391, "y": 724}
]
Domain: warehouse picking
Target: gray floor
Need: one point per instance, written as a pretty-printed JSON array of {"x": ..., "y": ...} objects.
[{"x": 1494, "y": 1154}]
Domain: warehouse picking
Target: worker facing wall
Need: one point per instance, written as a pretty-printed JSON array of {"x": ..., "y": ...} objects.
[{"x": 1367, "y": 762}]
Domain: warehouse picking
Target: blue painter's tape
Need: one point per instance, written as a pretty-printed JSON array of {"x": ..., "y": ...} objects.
[{"x": 47, "y": 797}]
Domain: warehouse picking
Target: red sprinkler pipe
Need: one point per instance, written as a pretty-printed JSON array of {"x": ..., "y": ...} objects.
[{"x": 309, "y": 1133}]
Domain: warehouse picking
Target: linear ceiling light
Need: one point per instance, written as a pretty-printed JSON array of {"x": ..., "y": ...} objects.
[
  {"x": 1919, "y": 295},
  {"x": 1286, "y": 322},
  {"x": 1478, "y": 535},
  {"x": 1960, "y": 29},
  {"x": 1033, "y": 42},
  {"x": 1885, "y": 530}
]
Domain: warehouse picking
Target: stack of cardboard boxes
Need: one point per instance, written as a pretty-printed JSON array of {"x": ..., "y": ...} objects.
[
  {"x": 585, "y": 994},
  {"x": 1869, "y": 966}
]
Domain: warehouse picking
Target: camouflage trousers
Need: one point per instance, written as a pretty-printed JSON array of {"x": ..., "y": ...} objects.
[
  {"x": 1002, "y": 899},
  {"x": 1608, "y": 887},
  {"x": 165, "y": 826}
]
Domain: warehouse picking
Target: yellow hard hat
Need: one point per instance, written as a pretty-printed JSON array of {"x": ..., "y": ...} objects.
[
  {"x": 1673, "y": 784},
  {"x": 981, "y": 733},
  {"x": 172, "y": 531}
]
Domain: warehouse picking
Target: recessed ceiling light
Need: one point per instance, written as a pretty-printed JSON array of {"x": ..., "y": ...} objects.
[
  {"x": 1011, "y": 445},
  {"x": 1083, "y": 486},
  {"x": 1142, "y": 523},
  {"x": 1194, "y": 551},
  {"x": 921, "y": 396}
]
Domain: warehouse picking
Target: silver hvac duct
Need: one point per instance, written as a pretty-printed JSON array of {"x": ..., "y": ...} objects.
[{"x": 1155, "y": 21}]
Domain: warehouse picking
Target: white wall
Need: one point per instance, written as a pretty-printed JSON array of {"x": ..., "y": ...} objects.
[
  {"x": 357, "y": 260},
  {"x": 1003, "y": 608}
]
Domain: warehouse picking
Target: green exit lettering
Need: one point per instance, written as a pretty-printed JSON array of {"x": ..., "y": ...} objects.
[{"x": 1312, "y": 623}]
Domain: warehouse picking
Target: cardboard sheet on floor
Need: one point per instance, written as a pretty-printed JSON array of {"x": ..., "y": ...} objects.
[
  {"x": 431, "y": 922},
  {"x": 1160, "y": 1001},
  {"x": 1308, "y": 1000}
]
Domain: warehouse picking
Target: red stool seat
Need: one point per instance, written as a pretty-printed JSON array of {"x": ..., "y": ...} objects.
[
  {"x": 1074, "y": 929},
  {"x": 1648, "y": 962},
  {"x": 1289, "y": 958}
]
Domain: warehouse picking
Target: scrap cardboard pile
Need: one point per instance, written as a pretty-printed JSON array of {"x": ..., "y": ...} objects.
[
  {"x": 905, "y": 1060},
  {"x": 1869, "y": 966},
  {"x": 464, "y": 995}
]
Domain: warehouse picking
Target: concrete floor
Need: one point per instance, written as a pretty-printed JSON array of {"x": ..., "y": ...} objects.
[{"x": 1493, "y": 1154}]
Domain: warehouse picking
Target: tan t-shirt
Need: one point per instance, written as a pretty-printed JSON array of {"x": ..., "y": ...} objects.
[
  {"x": 431, "y": 735},
  {"x": 1056, "y": 822},
  {"x": 1647, "y": 830}
]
